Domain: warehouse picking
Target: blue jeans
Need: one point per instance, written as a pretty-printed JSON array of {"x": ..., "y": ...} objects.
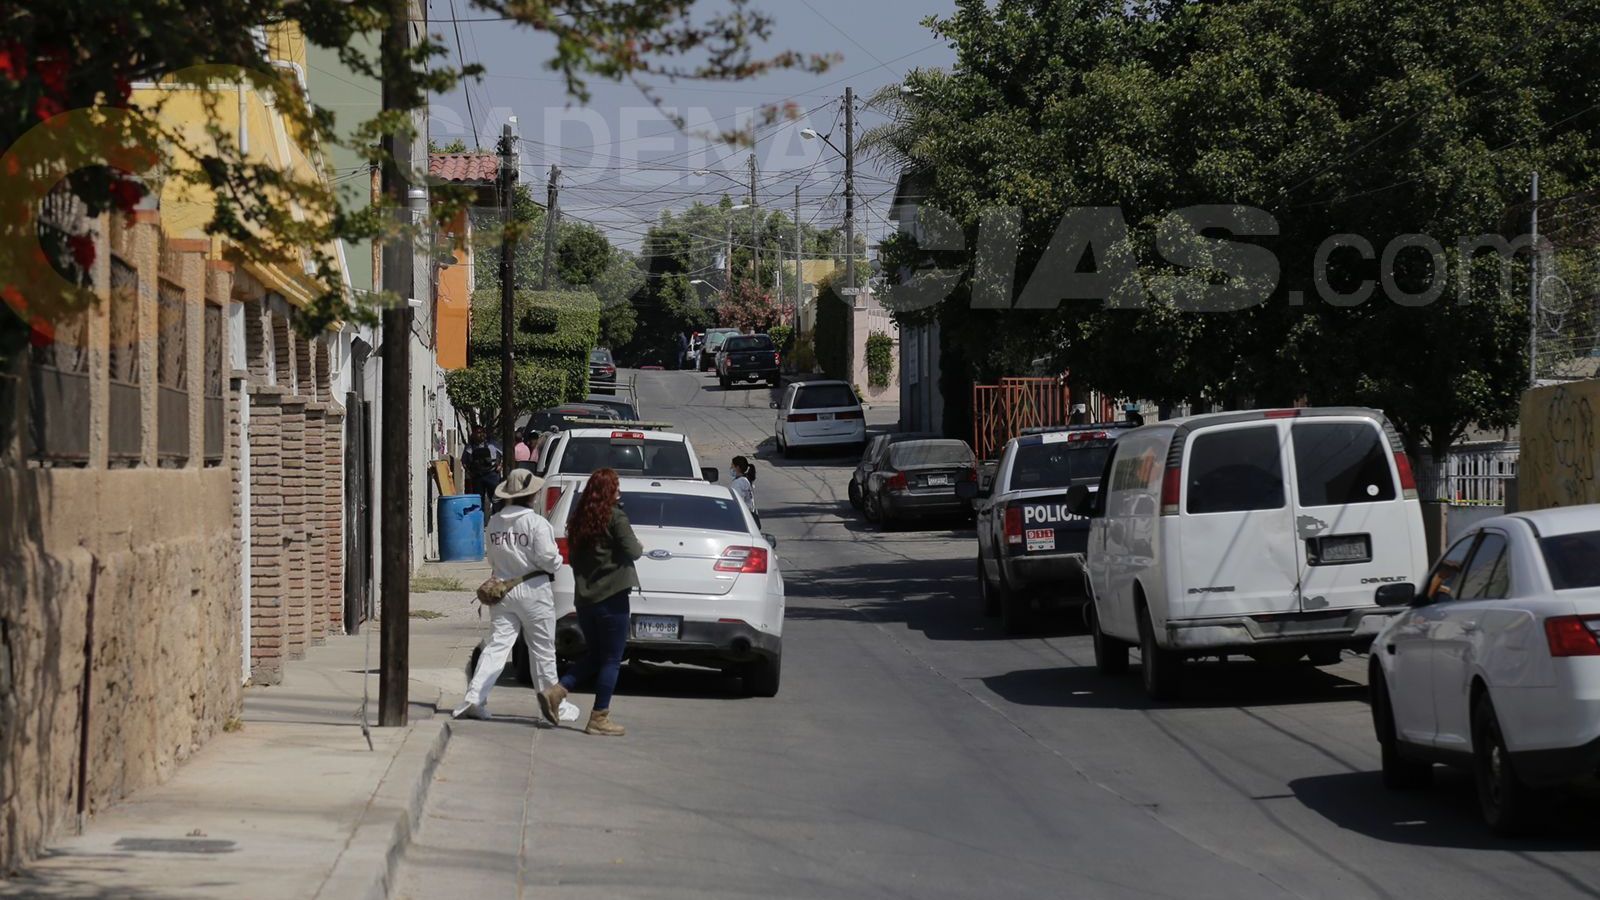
[{"x": 605, "y": 637}]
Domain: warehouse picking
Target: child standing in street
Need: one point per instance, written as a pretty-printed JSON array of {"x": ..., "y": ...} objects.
[{"x": 744, "y": 473}]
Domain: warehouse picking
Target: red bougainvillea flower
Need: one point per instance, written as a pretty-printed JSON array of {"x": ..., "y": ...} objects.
[
  {"x": 44, "y": 333},
  {"x": 48, "y": 107},
  {"x": 53, "y": 75},
  {"x": 13, "y": 63},
  {"x": 126, "y": 194},
  {"x": 13, "y": 298},
  {"x": 82, "y": 246}
]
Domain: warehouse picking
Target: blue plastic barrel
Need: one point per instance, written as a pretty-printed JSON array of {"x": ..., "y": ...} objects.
[{"x": 460, "y": 527}]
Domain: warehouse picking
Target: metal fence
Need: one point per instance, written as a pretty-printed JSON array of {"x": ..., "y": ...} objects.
[{"x": 1472, "y": 475}]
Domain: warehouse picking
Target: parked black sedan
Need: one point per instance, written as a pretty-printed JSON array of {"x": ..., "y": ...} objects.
[{"x": 602, "y": 370}]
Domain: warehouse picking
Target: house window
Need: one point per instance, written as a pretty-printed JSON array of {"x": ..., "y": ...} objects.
[
  {"x": 172, "y": 376},
  {"x": 215, "y": 384},
  {"x": 126, "y": 406}
]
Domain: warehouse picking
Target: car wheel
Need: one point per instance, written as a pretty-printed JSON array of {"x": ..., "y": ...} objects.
[
  {"x": 761, "y": 677},
  {"x": 1399, "y": 772},
  {"x": 986, "y": 595},
  {"x": 1016, "y": 617},
  {"x": 1160, "y": 668},
  {"x": 870, "y": 508},
  {"x": 855, "y": 494},
  {"x": 1110, "y": 654},
  {"x": 1510, "y": 807},
  {"x": 724, "y": 381}
]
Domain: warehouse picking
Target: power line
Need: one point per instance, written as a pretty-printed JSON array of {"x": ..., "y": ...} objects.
[{"x": 461, "y": 58}]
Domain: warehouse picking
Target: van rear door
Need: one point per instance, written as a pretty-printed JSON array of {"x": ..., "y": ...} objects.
[
  {"x": 1352, "y": 524},
  {"x": 1237, "y": 546}
]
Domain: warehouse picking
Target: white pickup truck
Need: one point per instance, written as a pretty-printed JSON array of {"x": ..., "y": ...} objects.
[
  {"x": 568, "y": 458},
  {"x": 1030, "y": 547}
]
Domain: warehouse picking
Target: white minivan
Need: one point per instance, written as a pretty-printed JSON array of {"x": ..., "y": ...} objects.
[
  {"x": 819, "y": 414},
  {"x": 1277, "y": 534}
]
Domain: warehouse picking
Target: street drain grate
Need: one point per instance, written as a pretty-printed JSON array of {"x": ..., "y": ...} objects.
[{"x": 175, "y": 845}]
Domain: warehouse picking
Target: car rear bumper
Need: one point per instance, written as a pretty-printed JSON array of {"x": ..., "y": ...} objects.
[
  {"x": 1550, "y": 768},
  {"x": 1351, "y": 628},
  {"x": 741, "y": 374},
  {"x": 1060, "y": 575},
  {"x": 794, "y": 437},
  {"x": 701, "y": 643},
  {"x": 928, "y": 504}
]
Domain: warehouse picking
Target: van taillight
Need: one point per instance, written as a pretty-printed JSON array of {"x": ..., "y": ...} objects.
[
  {"x": 850, "y": 414},
  {"x": 802, "y": 417},
  {"x": 1408, "y": 481},
  {"x": 551, "y": 495},
  {"x": 1171, "y": 487},
  {"x": 1014, "y": 525},
  {"x": 566, "y": 549},
  {"x": 1573, "y": 635},
  {"x": 896, "y": 482}
]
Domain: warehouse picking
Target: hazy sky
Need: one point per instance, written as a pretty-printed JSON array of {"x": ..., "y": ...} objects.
[{"x": 622, "y": 161}]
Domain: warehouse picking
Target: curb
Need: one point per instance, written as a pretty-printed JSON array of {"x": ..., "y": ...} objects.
[{"x": 366, "y": 869}]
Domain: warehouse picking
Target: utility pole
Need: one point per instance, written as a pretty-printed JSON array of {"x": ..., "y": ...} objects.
[
  {"x": 799, "y": 268},
  {"x": 850, "y": 187},
  {"x": 727, "y": 260},
  {"x": 755, "y": 226},
  {"x": 508, "y": 251},
  {"x": 394, "y": 660},
  {"x": 1533, "y": 293},
  {"x": 552, "y": 218}
]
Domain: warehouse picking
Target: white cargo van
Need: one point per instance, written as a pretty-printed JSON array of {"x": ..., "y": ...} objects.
[{"x": 1272, "y": 533}]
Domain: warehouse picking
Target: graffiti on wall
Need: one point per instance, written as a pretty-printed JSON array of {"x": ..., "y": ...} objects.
[{"x": 1559, "y": 446}]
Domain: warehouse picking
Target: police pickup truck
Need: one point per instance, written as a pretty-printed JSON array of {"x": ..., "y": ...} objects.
[{"x": 1030, "y": 548}]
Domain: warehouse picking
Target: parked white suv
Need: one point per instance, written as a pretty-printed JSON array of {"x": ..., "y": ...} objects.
[
  {"x": 817, "y": 414},
  {"x": 711, "y": 589},
  {"x": 1496, "y": 665},
  {"x": 1272, "y": 533}
]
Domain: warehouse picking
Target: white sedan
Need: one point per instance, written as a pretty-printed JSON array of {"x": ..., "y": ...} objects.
[
  {"x": 1496, "y": 665},
  {"x": 711, "y": 590}
]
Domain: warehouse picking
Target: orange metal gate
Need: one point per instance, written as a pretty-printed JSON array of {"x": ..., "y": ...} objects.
[{"x": 1001, "y": 411}]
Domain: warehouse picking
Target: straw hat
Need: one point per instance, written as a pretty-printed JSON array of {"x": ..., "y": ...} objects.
[{"x": 522, "y": 483}]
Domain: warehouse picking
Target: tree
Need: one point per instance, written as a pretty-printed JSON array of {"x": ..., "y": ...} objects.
[
  {"x": 475, "y": 390},
  {"x": 67, "y": 68},
  {"x": 748, "y": 307},
  {"x": 1418, "y": 117},
  {"x": 582, "y": 254}
]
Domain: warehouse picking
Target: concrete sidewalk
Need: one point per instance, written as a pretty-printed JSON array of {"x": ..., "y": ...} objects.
[{"x": 293, "y": 804}]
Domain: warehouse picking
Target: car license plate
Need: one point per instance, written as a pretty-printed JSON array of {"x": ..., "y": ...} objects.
[
  {"x": 656, "y": 628},
  {"x": 1041, "y": 539},
  {"x": 938, "y": 480},
  {"x": 1350, "y": 548},
  {"x": 824, "y": 417}
]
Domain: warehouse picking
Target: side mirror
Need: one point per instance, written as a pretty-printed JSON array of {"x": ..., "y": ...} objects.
[
  {"x": 967, "y": 490},
  {"x": 1081, "y": 501},
  {"x": 772, "y": 540},
  {"x": 711, "y": 475},
  {"x": 1402, "y": 594}
]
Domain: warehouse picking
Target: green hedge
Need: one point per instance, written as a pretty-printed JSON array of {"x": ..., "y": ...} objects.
[
  {"x": 832, "y": 335},
  {"x": 554, "y": 329}
]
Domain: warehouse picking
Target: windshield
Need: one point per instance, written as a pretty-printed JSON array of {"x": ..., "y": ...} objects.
[
  {"x": 929, "y": 453},
  {"x": 600, "y": 356},
  {"x": 1573, "y": 560},
  {"x": 662, "y": 510},
  {"x": 620, "y": 408},
  {"x": 824, "y": 396},
  {"x": 664, "y": 459},
  {"x": 748, "y": 342},
  {"x": 1039, "y": 466},
  {"x": 717, "y": 337}
]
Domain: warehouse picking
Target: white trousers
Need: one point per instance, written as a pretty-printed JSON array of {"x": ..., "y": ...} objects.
[{"x": 530, "y": 612}]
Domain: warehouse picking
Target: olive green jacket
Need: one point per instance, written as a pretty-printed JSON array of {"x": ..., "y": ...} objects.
[{"x": 604, "y": 568}]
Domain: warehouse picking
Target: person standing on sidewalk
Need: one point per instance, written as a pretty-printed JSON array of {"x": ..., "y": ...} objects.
[
  {"x": 522, "y": 546},
  {"x": 604, "y": 549}
]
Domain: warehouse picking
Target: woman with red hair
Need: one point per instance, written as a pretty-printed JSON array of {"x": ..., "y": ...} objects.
[{"x": 603, "y": 549}]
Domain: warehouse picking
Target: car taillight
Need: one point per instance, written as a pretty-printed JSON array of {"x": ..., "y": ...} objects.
[
  {"x": 1171, "y": 486},
  {"x": 1573, "y": 635},
  {"x": 1013, "y": 524},
  {"x": 566, "y": 549},
  {"x": 896, "y": 482},
  {"x": 744, "y": 560},
  {"x": 1408, "y": 481},
  {"x": 850, "y": 414},
  {"x": 777, "y": 359},
  {"x": 627, "y": 435},
  {"x": 608, "y": 370},
  {"x": 552, "y": 494},
  {"x": 969, "y": 475},
  {"x": 802, "y": 417},
  {"x": 1282, "y": 414},
  {"x": 1076, "y": 436}
]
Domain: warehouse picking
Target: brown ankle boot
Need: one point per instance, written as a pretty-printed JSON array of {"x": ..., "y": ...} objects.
[
  {"x": 550, "y": 702},
  {"x": 600, "y": 723}
]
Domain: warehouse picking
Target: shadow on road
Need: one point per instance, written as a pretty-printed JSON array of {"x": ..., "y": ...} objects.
[
  {"x": 1232, "y": 684},
  {"x": 1444, "y": 816}
]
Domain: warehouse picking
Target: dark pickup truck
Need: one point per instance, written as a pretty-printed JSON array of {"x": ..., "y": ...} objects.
[
  {"x": 1030, "y": 547},
  {"x": 748, "y": 357}
]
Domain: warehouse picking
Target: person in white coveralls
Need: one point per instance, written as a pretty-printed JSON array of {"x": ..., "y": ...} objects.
[{"x": 520, "y": 541}]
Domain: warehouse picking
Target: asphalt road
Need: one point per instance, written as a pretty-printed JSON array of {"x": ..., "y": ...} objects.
[{"x": 916, "y": 751}]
